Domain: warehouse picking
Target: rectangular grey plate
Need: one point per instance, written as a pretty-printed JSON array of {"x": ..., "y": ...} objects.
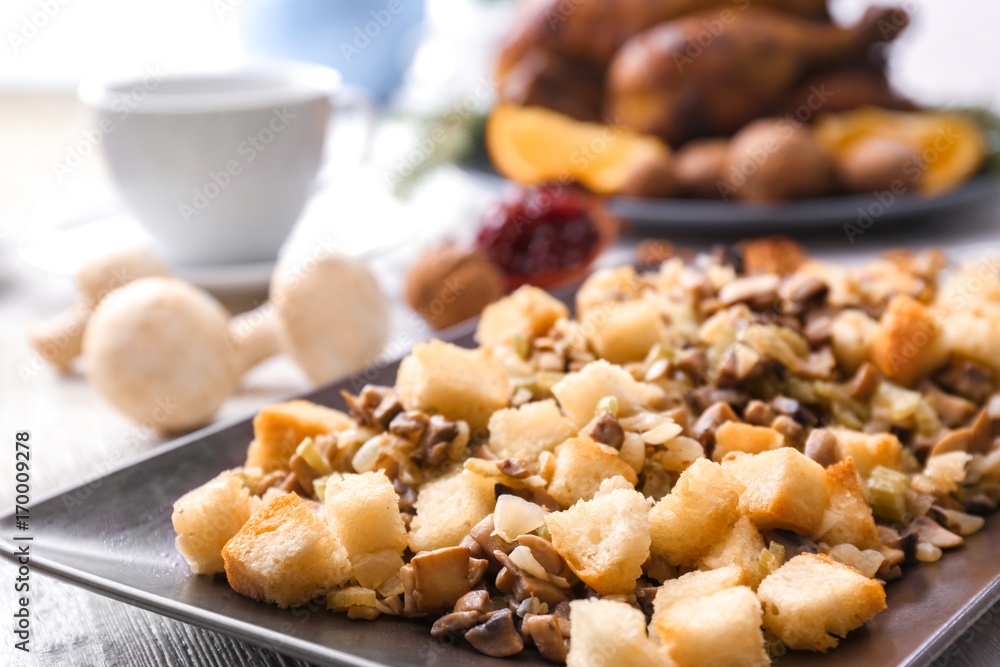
[{"x": 113, "y": 536}]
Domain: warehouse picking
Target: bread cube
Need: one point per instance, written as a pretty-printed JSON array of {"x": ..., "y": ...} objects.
[
  {"x": 529, "y": 311},
  {"x": 717, "y": 630},
  {"x": 741, "y": 548},
  {"x": 813, "y": 597},
  {"x": 605, "y": 286},
  {"x": 529, "y": 430},
  {"x": 460, "y": 384},
  {"x": 363, "y": 512},
  {"x": 580, "y": 467},
  {"x": 605, "y": 541},
  {"x": 695, "y": 514},
  {"x": 448, "y": 508},
  {"x": 697, "y": 584},
  {"x": 579, "y": 393},
  {"x": 623, "y": 332},
  {"x": 869, "y": 450},
  {"x": 285, "y": 554},
  {"x": 849, "y": 518},
  {"x": 852, "y": 332},
  {"x": 278, "y": 430},
  {"x": 608, "y": 632},
  {"x": 784, "y": 489},
  {"x": 908, "y": 344},
  {"x": 746, "y": 438},
  {"x": 205, "y": 518}
]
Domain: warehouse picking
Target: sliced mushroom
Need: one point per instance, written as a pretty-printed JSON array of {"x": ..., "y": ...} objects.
[
  {"x": 550, "y": 633},
  {"x": 709, "y": 422},
  {"x": 496, "y": 636},
  {"x": 957, "y": 521},
  {"x": 758, "y": 413},
  {"x": 794, "y": 409},
  {"x": 959, "y": 440},
  {"x": 953, "y": 410},
  {"x": 522, "y": 586},
  {"x": 967, "y": 378},
  {"x": 788, "y": 427},
  {"x": 373, "y": 406},
  {"x": 799, "y": 288},
  {"x": 456, "y": 621},
  {"x": 865, "y": 382},
  {"x": 544, "y": 553},
  {"x": 759, "y": 291},
  {"x": 482, "y": 533},
  {"x": 982, "y": 434},
  {"x": 692, "y": 362},
  {"x": 478, "y": 600},
  {"x": 821, "y": 447},
  {"x": 605, "y": 429},
  {"x": 929, "y": 531},
  {"x": 435, "y": 580}
]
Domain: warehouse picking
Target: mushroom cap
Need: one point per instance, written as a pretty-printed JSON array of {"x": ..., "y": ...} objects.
[
  {"x": 105, "y": 274},
  {"x": 333, "y": 315},
  {"x": 157, "y": 349}
]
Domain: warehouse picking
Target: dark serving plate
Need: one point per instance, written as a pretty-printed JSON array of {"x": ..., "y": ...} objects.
[
  {"x": 701, "y": 215},
  {"x": 112, "y": 535}
]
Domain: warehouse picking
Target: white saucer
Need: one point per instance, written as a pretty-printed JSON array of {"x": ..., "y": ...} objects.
[{"x": 62, "y": 248}]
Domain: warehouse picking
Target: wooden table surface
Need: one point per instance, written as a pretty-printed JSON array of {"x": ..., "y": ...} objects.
[{"x": 76, "y": 436}]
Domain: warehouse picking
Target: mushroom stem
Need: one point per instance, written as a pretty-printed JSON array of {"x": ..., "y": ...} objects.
[
  {"x": 254, "y": 337},
  {"x": 59, "y": 339}
]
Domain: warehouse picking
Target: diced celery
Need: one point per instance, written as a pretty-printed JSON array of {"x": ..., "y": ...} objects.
[
  {"x": 521, "y": 345},
  {"x": 771, "y": 559},
  {"x": 887, "y": 490}
]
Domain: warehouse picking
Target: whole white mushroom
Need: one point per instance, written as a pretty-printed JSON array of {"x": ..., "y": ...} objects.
[
  {"x": 157, "y": 349},
  {"x": 167, "y": 354},
  {"x": 332, "y": 317}
]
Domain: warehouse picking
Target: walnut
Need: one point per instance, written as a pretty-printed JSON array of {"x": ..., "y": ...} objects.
[{"x": 447, "y": 285}]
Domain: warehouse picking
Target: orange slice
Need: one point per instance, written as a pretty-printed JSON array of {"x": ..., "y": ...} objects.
[
  {"x": 950, "y": 147},
  {"x": 533, "y": 145}
]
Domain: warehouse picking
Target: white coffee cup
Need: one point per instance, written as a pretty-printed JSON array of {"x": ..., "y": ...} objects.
[{"x": 217, "y": 167}]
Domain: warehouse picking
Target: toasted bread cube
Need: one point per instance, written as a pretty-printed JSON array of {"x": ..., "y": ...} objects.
[
  {"x": 448, "y": 508},
  {"x": 579, "y": 393},
  {"x": 623, "y": 332},
  {"x": 529, "y": 312},
  {"x": 608, "y": 632},
  {"x": 852, "y": 333},
  {"x": 746, "y": 438},
  {"x": 812, "y": 597},
  {"x": 529, "y": 430},
  {"x": 784, "y": 489},
  {"x": 605, "y": 541},
  {"x": 697, "y": 584},
  {"x": 869, "y": 450},
  {"x": 581, "y": 465},
  {"x": 285, "y": 554},
  {"x": 605, "y": 286},
  {"x": 278, "y": 430},
  {"x": 908, "y": 344},
  {"x": 205, "y": 518},
  {"x": 363, "y": 512},
  {"x": 460, "y": 384},
  {"x": 741, "y": 548},
  {"x": 698, "y": 510},
  {"x": 849, "y": 517},
  {"x": 717, "y": 630}
]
